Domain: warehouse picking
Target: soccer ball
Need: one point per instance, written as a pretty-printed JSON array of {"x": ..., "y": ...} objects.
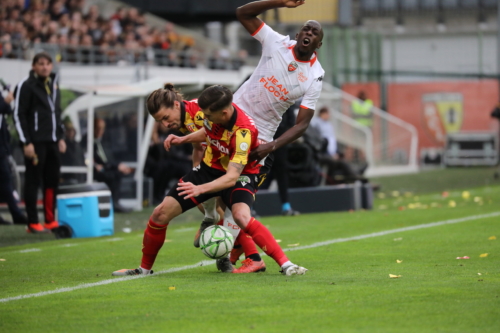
[{"x": 216, "y": 242}]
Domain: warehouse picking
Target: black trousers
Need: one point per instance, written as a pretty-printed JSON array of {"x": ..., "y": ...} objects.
[
  {"x": 112, "y": 178},
  {"x": 277, "y": 168},
  {"x": 46, "y": 171},
  {"x": 6, "y": 191}
]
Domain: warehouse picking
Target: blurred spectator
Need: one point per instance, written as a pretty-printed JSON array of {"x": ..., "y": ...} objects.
[
  {"x": 165, "y": 166},
  {"x": 362, "y": 109},
  {"x": 338, "y": 170},
  {"x": 107, "y": 170},
  {"x": 73, "y": 156},
  {"x": 123, "y": 36},
  {"x": 6, "y": 188}
]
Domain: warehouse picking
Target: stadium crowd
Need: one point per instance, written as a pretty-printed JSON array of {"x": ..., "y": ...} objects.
[{"x": 73, "y": 31}]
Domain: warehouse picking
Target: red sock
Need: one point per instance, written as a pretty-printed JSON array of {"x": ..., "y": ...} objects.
[
  {"x": 154, "y": 237},
  {"x": 265, "y": 240},
  {"x": 247, "y": 243}
]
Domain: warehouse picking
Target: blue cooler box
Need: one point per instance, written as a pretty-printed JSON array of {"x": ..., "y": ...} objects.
[{"x": 85, "y": 211}]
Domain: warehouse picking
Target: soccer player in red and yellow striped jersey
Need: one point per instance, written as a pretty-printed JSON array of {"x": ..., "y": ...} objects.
[{"x": 230, "y": 135}]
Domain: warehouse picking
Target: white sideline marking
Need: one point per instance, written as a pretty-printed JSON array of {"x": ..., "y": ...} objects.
[
  {"x": 210, "y": 262},
  {"x": 185, "y": 229},
  {"x": 30, "y": 250}
]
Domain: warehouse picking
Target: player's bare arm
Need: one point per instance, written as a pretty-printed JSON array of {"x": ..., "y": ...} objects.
[
  {"x": 248, "y": 13},
  {"x": 190, "y": 190},
  {"x": 174, "y": 140},
  {"x": 303, "y": 119},
  {"x": 198, "y": 151}
]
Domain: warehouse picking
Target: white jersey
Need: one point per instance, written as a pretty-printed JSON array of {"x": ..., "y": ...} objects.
[{"x": 278, "y": 81}]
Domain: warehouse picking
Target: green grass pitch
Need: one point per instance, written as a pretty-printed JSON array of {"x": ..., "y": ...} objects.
[{"x": 347, "y": 288}]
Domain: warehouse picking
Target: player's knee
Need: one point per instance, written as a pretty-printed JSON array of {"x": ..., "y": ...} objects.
[
  {"x": 160, "y": 215},
  {"x": 241, "y": 217}
]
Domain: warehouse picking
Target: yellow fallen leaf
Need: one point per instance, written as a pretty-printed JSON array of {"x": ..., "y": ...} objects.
[
  {"x": 399, "y": 261},
  {"x": 278, "y": 241},
  {"x": 466, "y": 195},
  {"x": 411, "y": 206},
  {"x": 484, "y": 255},
  {"x": 490, "y": 238},
  {"x": 381, "y": 195},
  {"x": 479, "y": 274},
  {"x": 3, "y": 260},
  {"x": 167, "y": 241},
  {"x": 398, "y": 239},
  {"x": 477, "y": 199},
  {"x": 452, "y": 204},
  {"x": 392, "y": 276},
  {"x": 294, "y": 244},
  {"x": 171, "y": 288}
]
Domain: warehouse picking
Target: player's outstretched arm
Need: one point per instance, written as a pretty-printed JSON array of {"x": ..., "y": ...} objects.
[
  {"x": 303, "y": 119},
  {"x": 189, "y": 190},
  {"x": 248, "y": 13},
  {"x": 174, "y": 140}
]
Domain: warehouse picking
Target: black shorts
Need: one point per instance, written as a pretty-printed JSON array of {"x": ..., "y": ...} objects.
[
  {"x": 265, "y": 169},
  {"x": 243, "y": 191}
]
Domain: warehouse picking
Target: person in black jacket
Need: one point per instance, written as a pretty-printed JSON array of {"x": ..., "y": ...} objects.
[
  {"x": 37, "y": 114},
  {"x": 6, "y": 190}
]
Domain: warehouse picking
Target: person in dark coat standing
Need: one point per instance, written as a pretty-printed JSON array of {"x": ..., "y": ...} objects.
[
  {"x": 37, "y": 114},
  {"x": 6, "y": 189}
]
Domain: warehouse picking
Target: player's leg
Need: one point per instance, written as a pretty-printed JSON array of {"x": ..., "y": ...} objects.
[
  {"x": 154, "y": 236},
  {"x": 51, "y": 175},
  {"x": 264, "y": 239},
  {"x": 211, "y": 218},
  {"x": 155, "y": 233}
]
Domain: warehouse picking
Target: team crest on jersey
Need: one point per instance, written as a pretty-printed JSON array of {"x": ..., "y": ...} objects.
[
  {"x": 244, "y": 180},
  {"x": 292, "y": 66}
]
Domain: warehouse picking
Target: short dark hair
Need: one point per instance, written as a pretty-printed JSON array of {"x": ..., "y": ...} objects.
[
  {"x": 215, "y": 98},
  {"x": 41, "y": 55}
]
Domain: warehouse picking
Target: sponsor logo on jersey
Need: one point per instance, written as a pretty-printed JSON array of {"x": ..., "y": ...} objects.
[
  {"x": 292, "y": 66},
  {"x": 244, "y": 146},
  {"x": 244, "y": 180},
  {"x": 274, "y": 86},
  {"x": 302, "y": 77},
  {"x": 218, "y": 145}
]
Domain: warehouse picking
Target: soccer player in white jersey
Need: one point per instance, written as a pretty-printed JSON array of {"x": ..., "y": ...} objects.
[{"x": 288, "y": 70}]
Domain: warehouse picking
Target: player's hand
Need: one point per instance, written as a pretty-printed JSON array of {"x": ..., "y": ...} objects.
[
  {"x": 188, "y": 190},
  {"x": 62, "y": 146},
  {"x": 293, "y": 3},
  {"x": 125, "y": 169},
  {"x": 261, "y": 151},
  {"x": 29, "y": 151},
  {"x": 9, "y": 97},
  {"x": 172, "y": 140}
]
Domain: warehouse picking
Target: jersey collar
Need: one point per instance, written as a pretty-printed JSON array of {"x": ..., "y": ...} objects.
[
  {"x": 232, "y": 121},
  {"x": 310, "y": 61}
]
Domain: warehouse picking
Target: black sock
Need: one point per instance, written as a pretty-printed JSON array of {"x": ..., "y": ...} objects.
[{"x": 255, "y": 257}]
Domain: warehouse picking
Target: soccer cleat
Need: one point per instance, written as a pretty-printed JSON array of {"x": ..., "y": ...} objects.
[
  {"x": 51, "y": 225},
  {"x": 224, "y": 265},
  {"x": 36, "y": 228},
  {"x": 293, "y": 270},
  {"x": 250, "y": 266},
  {"x": 125, "y": 272},
  {"x": 235, "y": 254},
  {"x": 205, "y": 224}
]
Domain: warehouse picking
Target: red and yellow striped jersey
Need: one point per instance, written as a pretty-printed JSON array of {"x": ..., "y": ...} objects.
[
  {"x": 191, "y": 117},
  {"x": 231, "y": 143}
]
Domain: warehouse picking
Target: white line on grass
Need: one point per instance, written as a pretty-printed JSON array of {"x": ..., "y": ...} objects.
[{"x": 210, "y": 262}]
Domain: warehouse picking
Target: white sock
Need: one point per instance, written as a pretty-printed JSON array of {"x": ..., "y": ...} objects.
[
  {"x": 145, "y": 271},
  {"x": 288, "y": 263},
  {"x": 230, "y": 223},
  {"x": 210, "y": 207}
]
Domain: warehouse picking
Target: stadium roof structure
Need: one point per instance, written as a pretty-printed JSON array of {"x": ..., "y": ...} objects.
[{"x": 95, "y": 96}]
